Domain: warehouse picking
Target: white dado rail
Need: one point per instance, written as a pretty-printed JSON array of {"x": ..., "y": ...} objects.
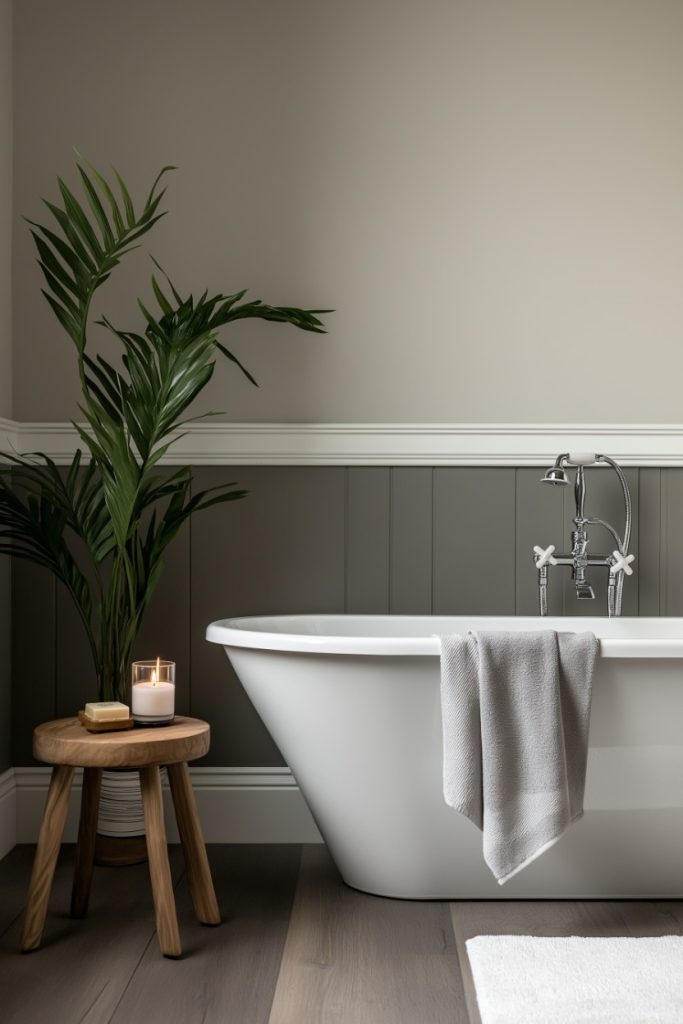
[{"x": 373, "y": 444}]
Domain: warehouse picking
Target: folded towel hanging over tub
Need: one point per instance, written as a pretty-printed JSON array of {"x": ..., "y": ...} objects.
[{"x": 515, "y": 713}]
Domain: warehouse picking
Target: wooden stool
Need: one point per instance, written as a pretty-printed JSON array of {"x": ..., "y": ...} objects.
[{"x": 65, "y": 744}]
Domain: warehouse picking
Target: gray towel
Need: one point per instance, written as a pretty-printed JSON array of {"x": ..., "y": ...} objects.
[{"x": 515, "y": 710}]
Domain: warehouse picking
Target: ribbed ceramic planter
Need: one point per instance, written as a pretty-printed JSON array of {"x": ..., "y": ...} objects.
[{"x": 121, "y": 823}]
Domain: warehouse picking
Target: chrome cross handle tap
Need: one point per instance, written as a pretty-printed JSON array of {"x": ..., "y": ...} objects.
[
  {"x": 544, "y": 556},
  {"x": 622, "y": 564},
  {"x": 618, "y": 563}
]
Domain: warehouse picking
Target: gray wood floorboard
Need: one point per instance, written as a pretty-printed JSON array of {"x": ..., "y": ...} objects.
[
  {"x": 15, "y": 871},
  {"x": 227, "y": 973},
  {"x": 357, "y": 959},
  {"x": 656, "y": 917},
  {"x": 296, "y": 946},
  {"x": 84, "y": 966}
]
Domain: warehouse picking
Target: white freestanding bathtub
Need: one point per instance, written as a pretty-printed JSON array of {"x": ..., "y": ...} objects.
[{"x": 353, "y": 704}]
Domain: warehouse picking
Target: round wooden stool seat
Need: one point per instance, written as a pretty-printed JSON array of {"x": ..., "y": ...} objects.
[
  {"x": 66, "y": 741},
  {"x": 67, "y": 745}
]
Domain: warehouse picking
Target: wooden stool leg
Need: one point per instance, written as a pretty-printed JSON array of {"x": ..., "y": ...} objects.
[
  {"x": 194, "y": 851},
  {"x": 49, "y": 841},
  {"x": 159, "y": 870},
  {"x": 85, "y": 851}
]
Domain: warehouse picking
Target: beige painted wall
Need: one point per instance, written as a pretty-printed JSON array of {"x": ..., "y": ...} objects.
[
  {"x": 490, "y": 194},
  {"x": 5, "y": 207},
  {"x": 5, "y": 345}
]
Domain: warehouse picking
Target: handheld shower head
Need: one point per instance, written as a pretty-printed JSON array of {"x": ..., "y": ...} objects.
[{"x": 555, "y": 475}]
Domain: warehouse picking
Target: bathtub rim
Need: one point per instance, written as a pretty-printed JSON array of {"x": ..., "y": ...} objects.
[{"x": 253, "y": 632}]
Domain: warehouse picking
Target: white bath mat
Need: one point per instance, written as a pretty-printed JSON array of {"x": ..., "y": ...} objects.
[{"x": 528, "y": 980}]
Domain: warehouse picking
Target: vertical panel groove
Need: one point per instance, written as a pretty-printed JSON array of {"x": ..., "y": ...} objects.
[
  {"x": 410, "y": 523},
  {"x": 671, "y": 551},
  {"x": 660, "y": 563},
  {"x": 346, "y": 539},
  {"x": 663, "y": 542},
  {"x": 433, "y": 545},
  {"x": 390, "y": 542},
  {"x": 367, "y": 551},
  {"x": 565, "y": 533},
  {"x": 640, "y": 505},
  {"x": 649, "y": 541},
  {"x": 514, "y": 546}
]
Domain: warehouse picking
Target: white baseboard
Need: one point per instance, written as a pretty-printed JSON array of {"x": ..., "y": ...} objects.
[
  {"x": 236, "y": 805},
  {"x": 8, "y": 812}
]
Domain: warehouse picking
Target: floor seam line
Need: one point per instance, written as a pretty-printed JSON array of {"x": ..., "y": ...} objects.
[
  {"x": 143, "y": 954},
  {"x": 132, "y": 975}
]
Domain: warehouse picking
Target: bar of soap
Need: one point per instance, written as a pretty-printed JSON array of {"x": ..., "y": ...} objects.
[{"x": 107, "y": 711}]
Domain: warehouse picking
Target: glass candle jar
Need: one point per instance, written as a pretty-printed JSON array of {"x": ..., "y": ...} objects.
[{"x": 153, "y": 692}]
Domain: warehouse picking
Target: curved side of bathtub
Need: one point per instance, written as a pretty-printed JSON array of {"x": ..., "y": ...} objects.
[{"x": 362, "y": 734}]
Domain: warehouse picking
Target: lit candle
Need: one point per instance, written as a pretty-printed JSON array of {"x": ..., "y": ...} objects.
[{"x": 153, "y": 700}]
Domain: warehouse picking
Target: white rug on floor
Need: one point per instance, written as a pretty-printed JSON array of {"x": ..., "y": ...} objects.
[{"x": 528, "y": 980}]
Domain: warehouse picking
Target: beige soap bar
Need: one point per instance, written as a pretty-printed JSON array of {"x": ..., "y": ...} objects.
[{"x": 107, "y": 711}]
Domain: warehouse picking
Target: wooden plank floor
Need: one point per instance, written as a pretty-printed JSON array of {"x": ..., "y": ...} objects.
[{"x": 296, "y": 946}]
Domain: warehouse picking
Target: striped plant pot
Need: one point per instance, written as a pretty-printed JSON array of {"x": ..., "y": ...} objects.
[{"x": 121, "y": 823}]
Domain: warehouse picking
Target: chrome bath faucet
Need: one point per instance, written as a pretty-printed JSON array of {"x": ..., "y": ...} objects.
[{"x": 618, "y": 563}]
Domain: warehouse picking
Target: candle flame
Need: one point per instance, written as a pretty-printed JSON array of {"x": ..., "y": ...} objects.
[{"x": 155, "y": 674}]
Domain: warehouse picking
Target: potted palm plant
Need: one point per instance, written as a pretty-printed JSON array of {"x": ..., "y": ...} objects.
[{"x": 101, "y": 524}]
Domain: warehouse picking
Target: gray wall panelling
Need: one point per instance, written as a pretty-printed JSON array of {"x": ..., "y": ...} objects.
[
  {"x": 410, "y": 540},
  {"x": 52, "y": 670},
  {"x": 75, "y": 679},
  {"x": 649, "y": 540},
  {"x": 474, "y": 541},
  {"x": 280, "y": 549},
  {"x": 165, "y": 633},
  {"x": 368, "y": 539},
  {"x": 539, "y": 520},
  {"x": 33, "y": 654},
  {"x": 671, "y": 550},
  {"x": 5, "y": 667},
  {"x": 328, "y": 539},
  {"x": 165, "y": 629}
]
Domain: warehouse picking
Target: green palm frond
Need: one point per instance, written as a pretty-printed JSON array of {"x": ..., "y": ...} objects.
[
  {"x": 79, "y": 252},
  {"x": 41, "y": 509},
  {"x": 115, "y": 504}
]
